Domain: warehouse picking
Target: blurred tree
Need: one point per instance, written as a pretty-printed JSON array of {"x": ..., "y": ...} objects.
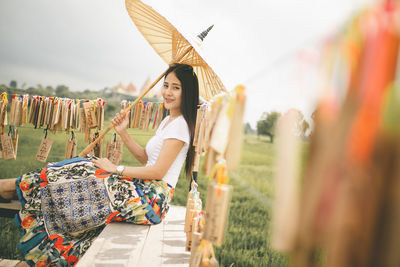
[
  {"x": 13, "y": 84},
  {"x": 50, "y": 90},
  {"x": 62, "y": 91},
  {"x": 248, "y": 129},
  {"x": 300, "y": 126},
  {"x": 266, "y": 125}
]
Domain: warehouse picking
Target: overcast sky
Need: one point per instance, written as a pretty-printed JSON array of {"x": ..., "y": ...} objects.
[{"x": 270, "y": 46}]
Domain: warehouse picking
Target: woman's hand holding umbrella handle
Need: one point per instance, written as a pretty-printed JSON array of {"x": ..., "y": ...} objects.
[{"x": 121, "y": 121}]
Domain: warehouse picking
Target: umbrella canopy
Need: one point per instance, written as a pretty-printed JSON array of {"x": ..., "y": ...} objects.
[{"x": 172, "y": 47}]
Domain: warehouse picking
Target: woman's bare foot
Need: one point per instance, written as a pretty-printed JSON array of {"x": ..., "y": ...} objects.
[
  {"x": 22, "y": 264},
  {"x": 7, "y": 188}
]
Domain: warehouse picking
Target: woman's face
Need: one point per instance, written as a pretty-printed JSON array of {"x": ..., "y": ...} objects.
[{"x": 172, "y": 92}]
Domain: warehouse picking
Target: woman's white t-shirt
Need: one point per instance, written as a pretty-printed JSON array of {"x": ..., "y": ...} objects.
[{"x": 176, "y": 129}]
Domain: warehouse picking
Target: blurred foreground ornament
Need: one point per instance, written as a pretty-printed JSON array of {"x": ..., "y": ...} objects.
[{"x": 349, "y": 211}]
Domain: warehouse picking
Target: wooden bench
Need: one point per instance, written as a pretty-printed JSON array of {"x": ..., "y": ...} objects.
[
  {"x": 8, "y": 263},
  {"x": 8, "y": 210},
  {"x": 123, "y": 244}
]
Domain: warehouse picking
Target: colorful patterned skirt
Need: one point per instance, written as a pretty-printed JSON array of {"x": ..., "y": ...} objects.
[{"x": 66, "y": 205}]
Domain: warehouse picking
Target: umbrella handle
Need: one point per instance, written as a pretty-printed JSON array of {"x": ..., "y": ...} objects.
[{"x": 91, "y": 146}]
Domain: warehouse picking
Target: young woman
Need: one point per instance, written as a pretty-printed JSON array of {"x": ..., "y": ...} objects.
[{"x": 67, "y": 204}]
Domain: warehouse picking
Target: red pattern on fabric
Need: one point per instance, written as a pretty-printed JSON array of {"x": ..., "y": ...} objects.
[
  {"x": 43, "y": 176},
  {"x": 27, "y": 222},
  {"x": 100, "y": 173}
]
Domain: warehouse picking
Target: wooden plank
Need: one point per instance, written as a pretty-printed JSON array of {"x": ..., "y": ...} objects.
[
  {"x": 13, "y": 205},
  {"x": 174, "y": 238},
  {"x": 123, "y": 244},
  {"x": 115, "y": 246},
  {"x": 152, "y": 250},
  {"x": 8, "y": 263}
]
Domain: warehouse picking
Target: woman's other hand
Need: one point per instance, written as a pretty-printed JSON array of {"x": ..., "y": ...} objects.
[
  {"x": 120, "y": 122},
  {"x": 105, "y": 164}
]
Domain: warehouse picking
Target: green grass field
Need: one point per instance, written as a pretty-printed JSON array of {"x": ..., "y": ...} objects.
[{"x": 247, "y": 241}]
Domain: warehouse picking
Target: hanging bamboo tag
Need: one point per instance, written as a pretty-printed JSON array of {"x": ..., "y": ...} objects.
[
  {"x": 3, "y": 109},
  {"x": 39, "y": 114},
  {"x": 32, "y": 102},
  {"x": 156, "y": 111},
  {"x": 142, "y": 117},
  {"x": 91, "y": 121},
  {"x": 44, "y": 111},
  {"x": 12, "y": 110},
  {"x": 76, "y": 116},
  {"x": 149, "y": 115},
  {"x": 139, "y": 114},
  {"x": 98, "y": 148},
  {"x": 114, "y": 151},
  {"x": 18, "y": 112},
  {"x": 235, "y": 139},
  {"x": 217, "y": 207},
  {"x": 24, "y": 116},
  {"x": 198, "y": 254},
  {"x": 70, "y": 147},
  {"x": 219, "y": 137},
  {"x": 204, "y": 256},
  {"x": 44, "y": 149},
  {"x": 101, "y": 120},
  {"x": 196, "y": 239},
  {"x": 7, "y": 147},
  {"x": 210, "y": 123},
  {"x": 14, "y": 138}
]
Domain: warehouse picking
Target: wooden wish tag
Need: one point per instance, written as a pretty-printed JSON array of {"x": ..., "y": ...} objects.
[
  {"x": 18, "y": 112},
  {"x": 3, "y": 109},
  {"x": 7, "y": 147},
  {"x": 196, "y": 239},
  {"x": 114, "y": 150},
  {"x": 14, "y": 138},
  {"x": 236, "y": 131},
  {"x": 44, "y": 149},
  {"x": 98, "y": 148},
  {"x": 25, "y": 109},
  {"x": 70, "y": 147},
  {"x": 217, "y": 207},
  {"x": 219, "y": 137},
  {"x": 91, "y": 120},
  {"x": 195, "y": 260}
]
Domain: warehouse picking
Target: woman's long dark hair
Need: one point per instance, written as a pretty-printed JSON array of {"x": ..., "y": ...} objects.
[{"x": 189, "y": 102}]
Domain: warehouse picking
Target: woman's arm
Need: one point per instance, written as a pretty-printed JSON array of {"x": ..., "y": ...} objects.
[
  {"x": 136, "y": 150},
  {"x": 169, "y": 151},
  {"x": 120, "y": 123}
]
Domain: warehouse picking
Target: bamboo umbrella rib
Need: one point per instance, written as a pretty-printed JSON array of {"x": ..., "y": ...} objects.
[
  {"x": 155, "y": 30},
  {"x": 154, "y": 25},
  {"x": 162, "y": 42},
  {"x": 209, "y": 80},
  {"x": 158, "y": 18},
  {"x": 153, "y": 35},
  {"x": 174, "y": 47},
  {"x": 144, "y": 10},
  {"x": 164, "y": 51},
  {"x": 212, "y": 80},
  {"x": 202, "y": 77}
]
